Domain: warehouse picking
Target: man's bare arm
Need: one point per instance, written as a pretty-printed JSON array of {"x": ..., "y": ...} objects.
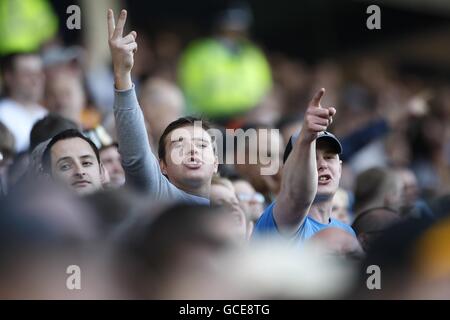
[{"x": 300, "y": 178}]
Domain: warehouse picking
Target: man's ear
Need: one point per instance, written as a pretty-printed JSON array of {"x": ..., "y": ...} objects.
[{"x": 163, "y": 166}]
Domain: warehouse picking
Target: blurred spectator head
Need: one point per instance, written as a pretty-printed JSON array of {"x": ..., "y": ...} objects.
[
  {"x": 60, "y": 60},
  {"x": 341, "y": 206},
  {"x": 428, "y": 141},
  {"x": 347, "y": 179},
  {"x": 370, "y": 224},
  {"x": 70, "y": 217},
  {"x": 168, "y": 45},
  {"x": 73, "y": 160},
  {"x": 41, "y": 237},
  {"x": 398, "y": 150},
  {"x": 35, "y": 168},
  {"x": 439, "y": 103},
  {"x": 187, "y": 153},
  {"x": 261, "y": 153},
  {"x": 162, "y": 102},
  {"x": 65, "y": 96},
  {"x": 114, "y": 208},
  {"x": 110, "y": 158},
  {"x": 236, "y": 18},
  {"x": 378, "y": 187},
  {"x": 48, "y": 127},
  {"x": 223, "y": 194},
  {"x": 251, "y": 202},
  {"x": 23, "y": 77},
  {"x": 426, "y": 136},
  {"x": 411, "y": 190},
  {"x": 173, "y": 255}
]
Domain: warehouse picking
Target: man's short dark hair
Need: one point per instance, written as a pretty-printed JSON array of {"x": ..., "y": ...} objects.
[
  {"x": 66, "y": 134},
  {"x": 179, "y": 123},
  {"x": 48, "y": 127}
]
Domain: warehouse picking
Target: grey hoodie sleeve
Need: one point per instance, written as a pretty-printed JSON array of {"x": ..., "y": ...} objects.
[{"x": 141, "y": 167}]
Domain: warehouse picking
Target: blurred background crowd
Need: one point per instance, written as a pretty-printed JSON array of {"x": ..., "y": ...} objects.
[{"x": 240, "y": 65}]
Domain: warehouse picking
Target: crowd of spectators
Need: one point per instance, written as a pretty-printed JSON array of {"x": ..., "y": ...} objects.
[{"x": 89, "y": 174}]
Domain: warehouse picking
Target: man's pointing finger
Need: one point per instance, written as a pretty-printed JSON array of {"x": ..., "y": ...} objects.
[{"x": 316, "y": 99}]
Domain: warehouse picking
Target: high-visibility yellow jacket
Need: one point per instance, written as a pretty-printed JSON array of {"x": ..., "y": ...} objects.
[
  {"x": 218, "y": 82},
  {"x": 25, "y": 24}
]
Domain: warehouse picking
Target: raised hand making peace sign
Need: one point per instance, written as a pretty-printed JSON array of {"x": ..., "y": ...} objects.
[
  {"x": 317, "y": 118},
  {"x": 122, "y": 50}
]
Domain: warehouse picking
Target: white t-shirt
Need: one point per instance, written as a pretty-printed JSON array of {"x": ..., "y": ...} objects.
[{"x": 20, "y": 120}]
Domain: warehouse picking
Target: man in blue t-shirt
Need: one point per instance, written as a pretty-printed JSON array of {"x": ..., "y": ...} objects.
[{"x": 311, "y": 177}]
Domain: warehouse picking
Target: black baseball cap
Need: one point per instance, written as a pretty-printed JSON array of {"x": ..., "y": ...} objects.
[{"x": 323, "y": 136}]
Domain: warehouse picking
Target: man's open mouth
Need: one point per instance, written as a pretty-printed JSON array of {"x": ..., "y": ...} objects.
[
  {"x": 193, "y": 163},
  {"x": 324, "y": 178},
  {"x": 81, "y": 183}
]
